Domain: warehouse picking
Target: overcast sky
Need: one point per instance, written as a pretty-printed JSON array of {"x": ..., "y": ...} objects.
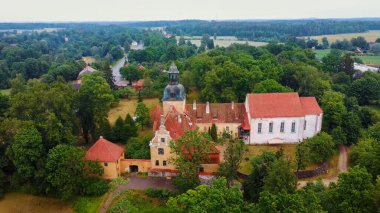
[{"x": 127, "y": 10}]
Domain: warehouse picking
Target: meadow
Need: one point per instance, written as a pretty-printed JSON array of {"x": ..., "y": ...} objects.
[
  {"x": 222, "y": 41},
  {"x": 367, "y": 59},
  {"x": 128, "y": 106},
  {"x": 370, "y": 36}
]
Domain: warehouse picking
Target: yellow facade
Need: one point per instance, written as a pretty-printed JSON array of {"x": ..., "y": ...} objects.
[{"x": 142, "y": 164}]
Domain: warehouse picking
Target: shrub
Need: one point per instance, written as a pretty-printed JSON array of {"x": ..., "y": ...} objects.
[
  {"x": 159, "y": 193},
  {"x": 94, "y": 186}
]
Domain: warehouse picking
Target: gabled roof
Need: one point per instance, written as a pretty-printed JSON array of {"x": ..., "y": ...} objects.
[
  {"x": 86, "y": 70},
  {"x": 218, "y": 113},
  {"x": 310, "y": 106},
  {"x": 271, "y": 105},
  {"x": 104, "y": 151}
]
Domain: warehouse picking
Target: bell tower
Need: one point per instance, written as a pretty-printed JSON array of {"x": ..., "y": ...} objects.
[{"x": 174, "y": 93}]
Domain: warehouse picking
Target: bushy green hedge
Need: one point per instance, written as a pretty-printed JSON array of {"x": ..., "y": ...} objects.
[
  {"x": 159, "y": 193},
  {"x": 94, "y": 186}
]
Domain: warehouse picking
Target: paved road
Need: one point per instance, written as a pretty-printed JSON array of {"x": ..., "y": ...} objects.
[
  {"x": 116, "y": 70},
  {"x": 342, "y": 167}
]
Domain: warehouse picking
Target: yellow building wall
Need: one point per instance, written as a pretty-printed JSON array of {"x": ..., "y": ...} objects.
[
  {"x": 210, "y": 167},
  {"x": 143, "y": 165},
  {"x": 110, "y": 171},
  {"x": 165, "y": 157}
]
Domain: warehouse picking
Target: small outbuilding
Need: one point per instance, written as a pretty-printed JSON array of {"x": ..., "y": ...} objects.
[{"x": 109, "y": 155}]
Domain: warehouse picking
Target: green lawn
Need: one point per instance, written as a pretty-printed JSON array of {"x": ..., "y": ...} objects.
[
  {"x": 86, "y": 204},
  {"x": 137, "y": 201},
  {"x": 367, "y": 59},
  {"x": 5, "y": 91}
]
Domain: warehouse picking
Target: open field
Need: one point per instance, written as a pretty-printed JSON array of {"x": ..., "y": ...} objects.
[
  {"x": 88, "y": 59},
  {"x": 20, "y": 202},
  {"x": 222, "y": 41},
  {"x": 255, "y": 150},
  {"x": 127, "y": 106},
  {"x": 367, "y": 59},
  {"x": 371, "y": 35},
  {"x": 87, "y": 204},
  {"x": 138, "y": 201},
  {"x": 5, "y": 91}
]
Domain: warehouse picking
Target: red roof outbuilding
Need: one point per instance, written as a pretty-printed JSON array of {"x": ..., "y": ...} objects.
[{"x": 104, "y": 151}]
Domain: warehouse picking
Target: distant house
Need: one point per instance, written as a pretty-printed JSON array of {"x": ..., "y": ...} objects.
[
  {"x": 86, "y": 70},
  {"x": 138, "y": 85},
  {"x": 358, "y": 51}
]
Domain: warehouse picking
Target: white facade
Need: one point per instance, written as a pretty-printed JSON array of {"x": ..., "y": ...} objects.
[
  {"x": 279, "y": 130},
  {"x": 294, "y": 129}
]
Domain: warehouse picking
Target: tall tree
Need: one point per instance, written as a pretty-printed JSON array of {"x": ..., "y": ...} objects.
[
  {"x": 233, "y": 156},
  {"x": 254, "y": 184},
  {"x": 142, "y": 115},
  {"x": 118, "y": 129},
  {"x": 108, "y": 75},
  {"x": 280, "y": 178},
  {"x": 27, "y": 154},
  {"x": 214, "y": 133},
  {"x": 354, "y": 192},
  {"x": 190, "y": 151},
  {"x": 94, "y": 99},
  {"x": 334, "y": 109},
  {"x": 65, "y": 170}
]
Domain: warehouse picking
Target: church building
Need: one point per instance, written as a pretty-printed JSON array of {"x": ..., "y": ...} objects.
[{"x": 268, "y": 118}]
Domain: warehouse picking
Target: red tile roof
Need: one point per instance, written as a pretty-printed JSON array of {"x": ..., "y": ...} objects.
[
  {"x": 104, "y": 151},
  {"x": 219, "y": 113},
  {"x": 245, "y": 124},
  {"x": 310, "y": 106},
  {"x": 270, "y": 105}
]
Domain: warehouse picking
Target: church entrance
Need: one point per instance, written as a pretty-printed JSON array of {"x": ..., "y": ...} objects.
[{"x": 133, "y": 169}]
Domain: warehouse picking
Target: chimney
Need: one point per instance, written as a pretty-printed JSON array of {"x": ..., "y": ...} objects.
[
  {"x": 232, "y": 105},
  {"x": 162, "y": 120},
  {"x": 194, "y": 105},
  {"x": 179, "y": 119},
  {"x": 207, "y": 107},
  {"x": 100, "y": 137}
]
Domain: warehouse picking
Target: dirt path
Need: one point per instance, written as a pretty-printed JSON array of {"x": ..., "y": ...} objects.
[{"x": 342, "y": 167}]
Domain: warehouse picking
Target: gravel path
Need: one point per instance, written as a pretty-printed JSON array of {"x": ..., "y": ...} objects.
[{"x": 342, "y": 167}]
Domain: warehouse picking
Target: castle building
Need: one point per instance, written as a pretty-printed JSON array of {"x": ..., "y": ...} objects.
[{"x": 268, "y": 118}]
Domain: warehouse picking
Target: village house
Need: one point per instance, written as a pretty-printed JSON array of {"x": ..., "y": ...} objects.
[{"x": 268, "y": 118}]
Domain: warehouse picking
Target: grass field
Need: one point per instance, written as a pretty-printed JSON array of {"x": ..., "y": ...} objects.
[
  {"x": 88, "y": 59},
  {"x": 20, "y": 202},
  {"x": 87, "y": 204},
  {"x": 137, "y": 201},
  {"x": 369, "y": 60},
  {"x": 371, "y": 35},
  {"x": 127, "y": 106},
  {"x": 5, "y": 91},
  {"x": 255, "y": 150},
  {"x": 222, "y": 41}
]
